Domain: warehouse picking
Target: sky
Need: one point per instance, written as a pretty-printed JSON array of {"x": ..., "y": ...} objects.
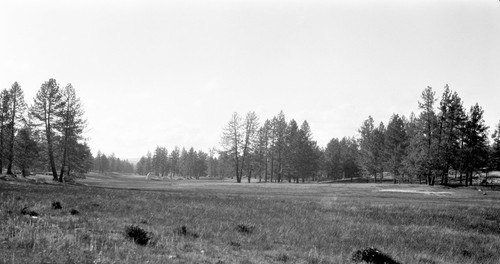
[{"x": 171, "y": 73}]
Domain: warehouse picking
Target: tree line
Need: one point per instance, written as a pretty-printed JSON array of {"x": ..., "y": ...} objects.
[
  {"x": 111, "y": 163},
  {"x": 179, "y": 162},
  {"x": 277, "y": 150},
  {"x": 443, "y": 139},
  {"x": 46, "y": 135}
]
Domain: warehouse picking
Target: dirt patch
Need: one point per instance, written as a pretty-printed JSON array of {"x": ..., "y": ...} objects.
[{"x": 416, "y": 191}]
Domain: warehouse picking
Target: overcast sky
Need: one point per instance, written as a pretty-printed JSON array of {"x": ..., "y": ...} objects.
[{"x": 172, "y": 73}]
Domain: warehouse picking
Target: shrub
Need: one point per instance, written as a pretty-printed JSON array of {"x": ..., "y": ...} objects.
[
  {"x": 26, "y": 211},
  {"x": 245, "y": 229},
  {"x": 137, "y": 234},
  {"x": 282, "y": 257},
  {"x": 74, "y": 212},
  {"x": 235, "y": 245},
  {"x": 56, "y": 205},
  {"x": 372, "y": 255}
]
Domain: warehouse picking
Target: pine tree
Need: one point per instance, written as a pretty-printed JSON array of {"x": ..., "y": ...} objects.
[
  {"x": 367, "y": 157},
  {"x": 428, "y": 121},
  {"x": 47, "y": 105},
  {"x": 413, "y": 161},
  {"x": 174, "y": 161},
  {"x": 263, "y": 149},
  {"x": 307, "y": 155},
  {"x": 17, "y": 109},
  {"x": 333, "y": 159},
  {"x": 451, "y": 121},
  {"x": 292, "y": 152},
  {"x": 26, "y": 150},
  {"x": 70, "y": 125},
  {"x": 495, "y": 150},
  {"x": 476, "y": 143},
  {"x": 232, "y": 140},
  {"x": 279, "y": 127},
  {"x": 396, "y": 143},
  {"x": 4, "y": 117},
  {"x": 251, "y": 127}
]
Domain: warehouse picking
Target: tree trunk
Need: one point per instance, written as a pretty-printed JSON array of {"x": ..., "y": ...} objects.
[
  {"x": 11, "y": 143},
  {"x": 1, "y": 146},
  {"x": 64, "y": 157},
  {"x": 272, "y": 168},
  {"x": 265, "y": 170}
]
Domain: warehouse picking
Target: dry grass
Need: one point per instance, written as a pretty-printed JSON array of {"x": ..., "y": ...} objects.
[{"x": 286, "y": 223}]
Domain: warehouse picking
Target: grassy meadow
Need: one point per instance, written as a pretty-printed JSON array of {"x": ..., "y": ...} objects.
[{"x": 192, "y": 221}]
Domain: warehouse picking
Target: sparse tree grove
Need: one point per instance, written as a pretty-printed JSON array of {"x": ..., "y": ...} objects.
[
  {"x": 443, "y": 142},
  {"x": 440, "y": 142},
  {"x": 44, "y": 136}
]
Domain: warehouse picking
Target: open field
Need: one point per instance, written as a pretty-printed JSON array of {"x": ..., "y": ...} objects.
[{"x": 225, "y": 222}]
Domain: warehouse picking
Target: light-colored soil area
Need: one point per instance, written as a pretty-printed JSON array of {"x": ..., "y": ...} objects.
[
  {"x": 375, "y": 192},
  {"x": 416, "y": 191}
]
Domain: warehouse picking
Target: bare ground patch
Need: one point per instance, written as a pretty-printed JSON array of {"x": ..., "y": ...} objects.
[{"x": 416, "y": 191}]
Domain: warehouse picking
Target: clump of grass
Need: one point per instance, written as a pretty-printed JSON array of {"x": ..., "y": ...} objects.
[
  {"x": 182, "y": 231},
  {"x": 74, "y": 212},
  {"x": 27, "y": 211},
  {"x": 56, "y": 205},
  {"x": 245, "y": 229},
  {"x": 282, "y": 257},
  {"x": 235, "y": 245},
  {"x": 138, "y": 235},
  {"x": 466, "y": 253},
  {"x": 372, "y": 255}
]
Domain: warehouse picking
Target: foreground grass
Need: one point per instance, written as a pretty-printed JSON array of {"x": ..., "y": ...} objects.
[{"x": 228, "y": 224}]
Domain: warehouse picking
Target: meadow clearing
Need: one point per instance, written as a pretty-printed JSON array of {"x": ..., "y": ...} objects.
[{"x": 213, "y": 221}]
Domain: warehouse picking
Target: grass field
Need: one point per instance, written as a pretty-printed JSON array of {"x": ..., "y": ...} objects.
[{"x": 224, "y": 222}]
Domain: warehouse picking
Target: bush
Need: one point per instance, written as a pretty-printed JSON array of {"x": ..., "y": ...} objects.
[
  {"x": 282, "y": 257},
  {"x": 245, "y": 229},
  {"x": 372, "y": 255},
  {"x": 56, "y": 205},
  {"x": 74, "y": 212},
  {"x": 26, "y": 211},
  {"x": 137, "y": 234}
]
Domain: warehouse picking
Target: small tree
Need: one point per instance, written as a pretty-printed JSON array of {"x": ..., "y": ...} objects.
[
  {"x": 476, "y": 143},
  {"x": 17, "y": 109},
  {"x": 232, "y": 138},
  {"x": 26, "y": 150}
]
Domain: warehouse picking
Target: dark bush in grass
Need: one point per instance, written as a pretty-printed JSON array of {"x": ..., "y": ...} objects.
[
  {"x": 245, "y": 229},
  {"x": 282, "y": 257},
  {"x": 235, "y": 245},
  {"x": 466, "y": 253},
  {"x": 137, "y": 234},
  {"x": 74, "y": 212},
  {"x": 56, "y": 205},
  {"x": 26, "y": 211},
  {"x": 182, "y": 231},
  {"x": 372, "y": 255}
]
